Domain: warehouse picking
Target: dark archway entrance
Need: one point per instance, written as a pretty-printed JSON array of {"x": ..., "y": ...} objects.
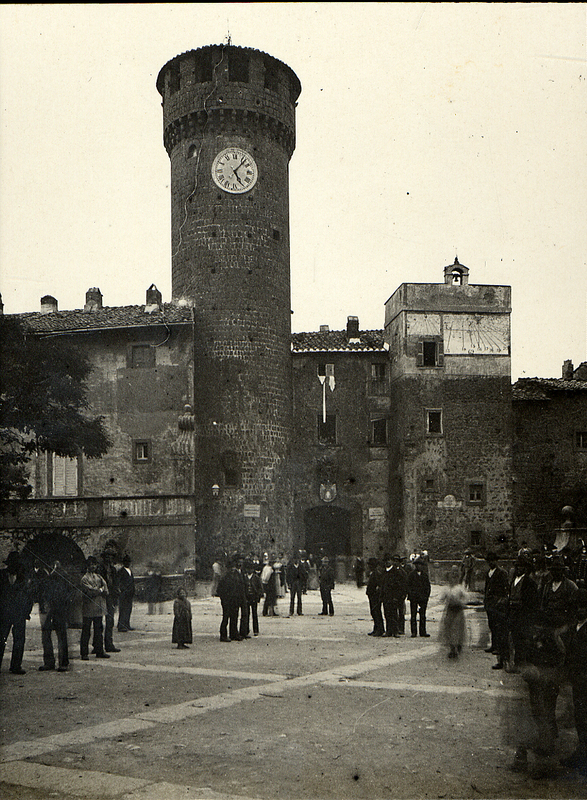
[
  {"x": 328, "y": 528},
  {"x": 51, "y": 547}
]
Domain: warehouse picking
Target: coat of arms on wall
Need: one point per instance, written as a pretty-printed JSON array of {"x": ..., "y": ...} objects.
[{"x": 327, "y": 492}]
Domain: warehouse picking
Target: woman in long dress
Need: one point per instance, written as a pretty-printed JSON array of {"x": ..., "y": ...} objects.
[
  {"x": 452, "y": 624},
  {"x": 182, "y": 620}
]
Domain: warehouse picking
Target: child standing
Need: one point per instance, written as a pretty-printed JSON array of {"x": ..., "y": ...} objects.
[{"x": 182, "y": 621}]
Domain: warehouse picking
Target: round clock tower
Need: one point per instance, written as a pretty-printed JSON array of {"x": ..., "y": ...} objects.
[{"x": 229, "y": 130}]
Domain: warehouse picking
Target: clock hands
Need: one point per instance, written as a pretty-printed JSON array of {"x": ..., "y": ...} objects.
[{"x": 236, "y": 169}]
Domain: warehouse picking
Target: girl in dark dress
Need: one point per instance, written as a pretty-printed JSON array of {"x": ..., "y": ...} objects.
[{"x": 182, "y": 621}]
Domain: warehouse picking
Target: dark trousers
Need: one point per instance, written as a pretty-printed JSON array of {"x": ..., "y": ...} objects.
[
  {"x": 418, "y": 610},
  {"x": 108, "y": 625},
  {"x": 392, "y": 610},
  {"x": 295, "y": 591},
  {"x": 377, "y": 616},
  {"x": 579, "y": 684},
  {"x": 249, "y": 611},
  {"x": 327, "y": 604},
  {"x": 18, "y": 628},
  {"x": 518, "y": 632},
  {"x": 229, "y": 624},
  {"x": 124, "y": 612},
  {"x": 544, "y": 691},
  {"x": 58, "y": 623},
  {"x": 497, "y": 621},
  {"x": 98, "y": 640}
]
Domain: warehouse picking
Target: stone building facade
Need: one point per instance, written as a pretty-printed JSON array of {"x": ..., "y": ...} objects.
[
  {"x": 550, "y": 453},
  {"x": 231, "y": 433}
]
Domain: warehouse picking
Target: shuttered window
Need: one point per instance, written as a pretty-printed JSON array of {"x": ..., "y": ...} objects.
[{"x": 65, "y": 476}]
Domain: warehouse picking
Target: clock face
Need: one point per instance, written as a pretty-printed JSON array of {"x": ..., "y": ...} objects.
[
  {"x": 234, "y": 170},
  {"x": 486, "y": 334}
]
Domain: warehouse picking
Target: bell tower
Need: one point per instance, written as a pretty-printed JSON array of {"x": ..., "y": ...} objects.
[{"x": 229, "y": 131}]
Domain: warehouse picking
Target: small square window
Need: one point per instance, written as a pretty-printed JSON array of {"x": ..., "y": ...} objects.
[
  {"x": 142, "y": 452},
  {"x": 434, "y": 422},
  {"x": 429, "y": 485},
  {"x": 142, "y": 356},
  {"x": 476, "y": 538},
  {"x": 581, "y": 440},
  {"x": 476, "y": 492},
  {"x": 430, "y": 353}
]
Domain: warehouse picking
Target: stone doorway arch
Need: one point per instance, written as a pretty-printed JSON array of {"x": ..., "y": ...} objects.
[{"x": 328, "y": 528}]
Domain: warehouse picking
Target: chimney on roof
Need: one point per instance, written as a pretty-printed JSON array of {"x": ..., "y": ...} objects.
[
  {"x": 324, "y": 329},
  {"x": 48, "y": 304},
  {"x": 568, "y": 370},
  {"x": 93, "y": 299},
  {"x": 352, "y": 328},
  {"x": 154, "y": 299}
]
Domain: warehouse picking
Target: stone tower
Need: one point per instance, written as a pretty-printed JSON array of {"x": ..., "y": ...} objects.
[
  {"x": 229, "y": 130},
  {"x": 451, "y": 441}
]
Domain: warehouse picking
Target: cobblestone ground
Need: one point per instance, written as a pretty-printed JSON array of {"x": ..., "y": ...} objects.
[{"x": 312, "y": 708}]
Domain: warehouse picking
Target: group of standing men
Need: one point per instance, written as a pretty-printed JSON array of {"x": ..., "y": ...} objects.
[
  {"x": 102, "y": 588},
  {"x": 537, "y": 617},
  {"x": 246, "y": 581},
  {"x": 389, "y": 585}
]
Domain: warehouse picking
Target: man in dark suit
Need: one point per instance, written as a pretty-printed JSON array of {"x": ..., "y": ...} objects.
[
  {"x": 296, "y": 580},
  {"x": 326, "y": 587},
  {"x": 253, "y": 593},
  {"x": 495, "y": 602},
  {"x": 373, "y": 592},
  {"x": 394, "y": 586},
  {"x": 57, "y": 595},
  {"x": 231, "y": 591},
  {"x": 523, "y": 605},
  {"x": 126, "y": 593},
  {"x": 418, "y": 595},
  {"x": 15, "y": 608}
]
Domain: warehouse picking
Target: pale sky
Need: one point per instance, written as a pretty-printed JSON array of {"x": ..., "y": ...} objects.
[{"x": 424, "y": 131}]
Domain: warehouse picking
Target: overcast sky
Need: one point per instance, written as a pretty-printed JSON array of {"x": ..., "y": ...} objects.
[{"x": 424, "y": 131}]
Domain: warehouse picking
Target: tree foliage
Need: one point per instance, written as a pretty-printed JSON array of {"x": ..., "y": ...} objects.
[{"x": 43, "y": 403}]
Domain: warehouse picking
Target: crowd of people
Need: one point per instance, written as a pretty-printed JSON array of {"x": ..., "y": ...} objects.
[
  {"x": 536, "y": 617},
  {"x": 107, "y": 586},
  {"x": 241, "y": 583}
]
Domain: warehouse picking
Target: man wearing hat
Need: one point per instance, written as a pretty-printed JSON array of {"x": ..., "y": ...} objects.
[
  {"x": 495, "y": 601},
  {"x": 231, "y": 591},
  {"x": 418, "y": 595},
  {"x": 393, "y": 594},
  {"x": 326, "y": 587},
  {"x": 253, "y": 593},
  {"x": 522, "y": 607},
  {"x": 15, "y": 608},
  {"x": 373, "y": 592},
  {"x": 126, "y": 593},
  {"x": 94, "y": 592}
]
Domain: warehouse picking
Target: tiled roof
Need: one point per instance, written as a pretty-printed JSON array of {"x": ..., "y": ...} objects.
[
  {"x": 544, "y": 388},
  {"x": 337, "y": 341},
  {"x": 104, "y": 318}
]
